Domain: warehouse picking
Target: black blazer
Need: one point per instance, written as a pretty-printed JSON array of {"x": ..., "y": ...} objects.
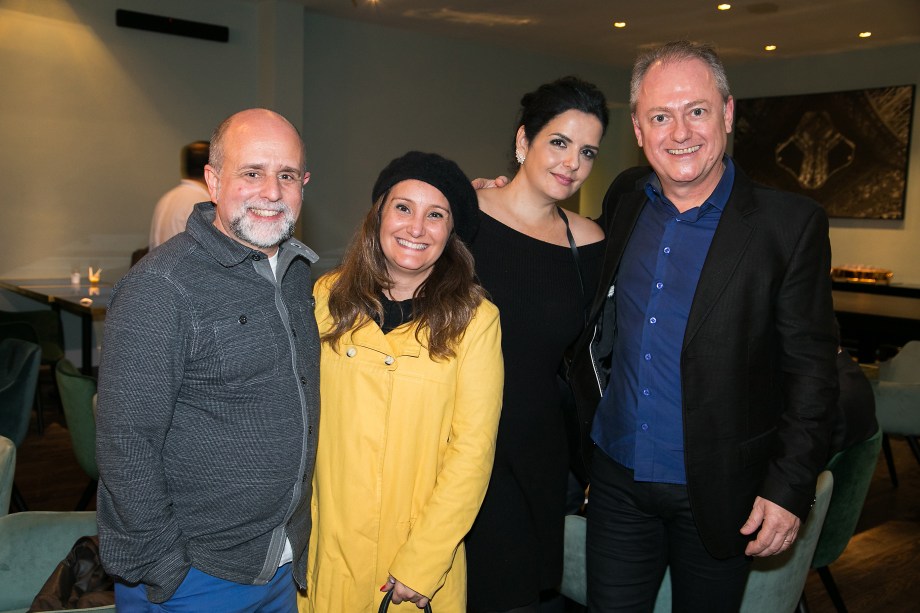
[{"x": 757, "y": 365}]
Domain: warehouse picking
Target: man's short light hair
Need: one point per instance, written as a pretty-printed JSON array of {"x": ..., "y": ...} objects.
[{"x": 677, "y": 51}]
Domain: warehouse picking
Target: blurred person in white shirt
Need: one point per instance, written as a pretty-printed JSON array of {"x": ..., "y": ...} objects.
[{"x": 173, "y": 209}]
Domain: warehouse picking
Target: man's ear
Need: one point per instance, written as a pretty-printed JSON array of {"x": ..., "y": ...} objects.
[
  {"x": 636, "y": 130},
  {"x": 212, "y": 179},
  {"x": 729, "y": 114}
]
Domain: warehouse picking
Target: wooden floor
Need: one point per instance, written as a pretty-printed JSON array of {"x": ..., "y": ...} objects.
[
  {"x": 47, "y": 473},
  {"x": 879, "y": 571}
]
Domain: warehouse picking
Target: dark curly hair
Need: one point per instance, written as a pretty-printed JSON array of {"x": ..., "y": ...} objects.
[{"x": 549, "y": 100}]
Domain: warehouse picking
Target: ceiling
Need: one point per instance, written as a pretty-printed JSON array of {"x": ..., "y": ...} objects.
[{"x": 583, "y": 29}]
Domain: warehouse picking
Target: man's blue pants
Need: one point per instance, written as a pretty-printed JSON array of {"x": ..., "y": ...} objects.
[{"x": 202, "y": 592}]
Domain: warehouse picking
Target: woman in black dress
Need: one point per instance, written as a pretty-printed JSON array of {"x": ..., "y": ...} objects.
[{"x": 539, "y": 265}]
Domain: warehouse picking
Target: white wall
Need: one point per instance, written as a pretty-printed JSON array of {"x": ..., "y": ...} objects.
[
  {"x": 92, "y": 118},
  {"x": 885, "y": 243},
  {"x": 372, "y": 93}
]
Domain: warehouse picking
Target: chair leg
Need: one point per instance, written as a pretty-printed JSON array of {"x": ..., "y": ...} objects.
[
  {"x": 88, "y": 495},
  {"x": 914, "y": 442},
  {"x": 17, "y": 500},
  {"x": 889, "y": 459},
  {"x": 828, "y": 580},
  {"x": 803, "y": 604},
  {"x": 39, "y": 413}
]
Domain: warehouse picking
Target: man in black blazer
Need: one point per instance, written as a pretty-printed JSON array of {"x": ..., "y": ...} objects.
[{"x": 706, "y": 380}]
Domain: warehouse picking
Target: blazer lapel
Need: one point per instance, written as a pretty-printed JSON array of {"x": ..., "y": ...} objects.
[
  {"x": 728, "y": 247},
  {"x": 620, "y": 225}
]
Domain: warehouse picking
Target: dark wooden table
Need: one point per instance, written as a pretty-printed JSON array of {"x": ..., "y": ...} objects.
[
  {"x": 86, "y": 300},
  {"x": 877, "y": 320}
]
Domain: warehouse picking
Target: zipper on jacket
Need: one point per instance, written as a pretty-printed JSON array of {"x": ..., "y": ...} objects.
[{"x": 597, "y": 375}]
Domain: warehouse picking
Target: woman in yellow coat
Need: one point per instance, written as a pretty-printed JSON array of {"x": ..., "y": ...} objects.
[{"x": 411, "y": 385}]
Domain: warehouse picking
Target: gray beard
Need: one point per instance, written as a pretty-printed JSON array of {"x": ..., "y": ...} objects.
[{"x": 243, "y": 231}]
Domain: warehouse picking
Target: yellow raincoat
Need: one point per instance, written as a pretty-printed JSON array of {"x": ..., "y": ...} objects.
[{"x": 404, "y": 457}]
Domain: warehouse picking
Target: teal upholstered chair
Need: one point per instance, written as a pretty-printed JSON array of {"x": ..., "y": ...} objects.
[
  {"x": 19, "y": 364},
  {"x": 897, "y": 401},
  {"x": 7, "y": 470},
  {"x": 32, "y": 544},
  {"x": 18, "y": 329},
  {"x": 574, "y": 579},
  {"x": 47, "y": 326},
  {"x": 853, "y": 469},
  {"x": 77, "y": 392},
  {"x": 775, "y": 583},
  {"x": 42, "y": 327}
]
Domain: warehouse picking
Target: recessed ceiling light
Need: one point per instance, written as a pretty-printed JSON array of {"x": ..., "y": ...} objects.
[
  {"x": 724, "y": 6},
  {"x": 769, "y": 48},
  {"x": 619, "y": 24},
  {"x": 865, "y": 34}
]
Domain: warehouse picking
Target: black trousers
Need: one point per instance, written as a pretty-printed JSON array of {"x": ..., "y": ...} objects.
[{"x": 636, "y": 530}]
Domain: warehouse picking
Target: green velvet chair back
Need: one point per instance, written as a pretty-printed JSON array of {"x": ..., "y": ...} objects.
[
  {"x": 77, "y": 392},
  {"x": 18, "y": 329},
  {"x": 7, "y": 470},
  {"x": 897, "y": 392},
  {"x": 32, "y": 544},
  {"x": 853, "y": 469},
  {"x": 897, "y": 407},
  {"x": 775, "y": 583},
  {"x": 19, "y": 364},
  {"x": 46, "y": 327},
  {"x": 574, "y": 578},
  {"x": 904, "y": 367}
]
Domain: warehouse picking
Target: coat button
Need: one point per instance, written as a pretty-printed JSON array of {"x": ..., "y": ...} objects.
[
  {"x": 388, "y": 360},
  {"x": 243, "y": 319},
  {"x": 303, "y": 380},
  {"x": 351, "y": 352}
]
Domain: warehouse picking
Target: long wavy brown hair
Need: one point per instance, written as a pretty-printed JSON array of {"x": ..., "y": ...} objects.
[{"x": 444, "y": 303}]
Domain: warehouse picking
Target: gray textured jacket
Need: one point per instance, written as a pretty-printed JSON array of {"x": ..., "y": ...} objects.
[{"x": 207, "y": 413}]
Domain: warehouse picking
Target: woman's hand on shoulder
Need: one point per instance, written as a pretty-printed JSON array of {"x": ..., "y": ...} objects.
[{"x": 499, "y": 181}]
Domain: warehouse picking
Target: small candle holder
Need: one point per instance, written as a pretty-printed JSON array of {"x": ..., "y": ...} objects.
[{"x": 94, "y": 275}]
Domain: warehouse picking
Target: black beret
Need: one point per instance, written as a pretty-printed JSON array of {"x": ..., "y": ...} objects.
[{"x": 443, "y": 174}]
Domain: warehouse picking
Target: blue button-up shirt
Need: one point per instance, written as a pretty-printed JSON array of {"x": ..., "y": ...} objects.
[{"x": 639, "y": 421}]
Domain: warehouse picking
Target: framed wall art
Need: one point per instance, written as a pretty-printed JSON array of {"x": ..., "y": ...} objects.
[{"x": 847, "y": 150}]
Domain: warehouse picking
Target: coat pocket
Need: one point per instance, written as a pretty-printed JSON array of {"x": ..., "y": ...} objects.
[
  {"x": 758, "y": 449},
  {"x": 248, "y": 346}
]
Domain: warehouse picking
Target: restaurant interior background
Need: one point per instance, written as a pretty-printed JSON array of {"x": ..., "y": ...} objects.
[{"x": 92, "y": 118}]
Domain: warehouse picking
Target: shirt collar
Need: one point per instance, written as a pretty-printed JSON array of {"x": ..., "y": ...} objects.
[
  {"x": 718, "y": 198},
  {"x": 230, "y": 252}
]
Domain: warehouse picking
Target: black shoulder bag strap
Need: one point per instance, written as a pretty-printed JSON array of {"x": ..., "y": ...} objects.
[{"x": 581, "y": 280}]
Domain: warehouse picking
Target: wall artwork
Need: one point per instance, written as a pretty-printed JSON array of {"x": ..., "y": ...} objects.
[{"x": 847, "y": 150}]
